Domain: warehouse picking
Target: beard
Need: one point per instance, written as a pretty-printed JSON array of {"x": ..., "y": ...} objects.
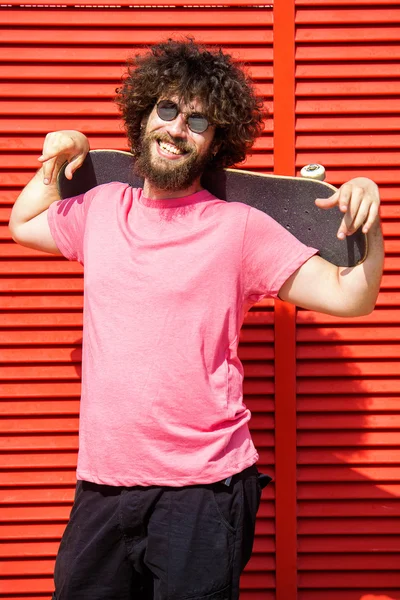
[{"x": 171, "y": 175}]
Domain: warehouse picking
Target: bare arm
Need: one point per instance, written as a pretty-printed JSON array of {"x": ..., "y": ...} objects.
[
  {"x": 342, "y": 291},
  {"x": 28, "y": 223}
]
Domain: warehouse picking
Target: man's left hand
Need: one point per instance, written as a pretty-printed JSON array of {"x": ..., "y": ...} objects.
[{"x": 359, "y": 200}]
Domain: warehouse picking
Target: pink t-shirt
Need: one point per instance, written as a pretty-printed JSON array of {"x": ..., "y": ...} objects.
[{"x": 167, "y": 284}]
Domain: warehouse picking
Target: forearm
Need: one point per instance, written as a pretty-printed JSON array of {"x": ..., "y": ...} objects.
[
  {"x": 359, "y": 285},
  {"x": 35, "y": 198}
]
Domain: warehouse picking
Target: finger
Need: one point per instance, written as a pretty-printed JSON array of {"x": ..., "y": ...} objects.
[
  {"x": 373, "y": 213},
  {"x": 345, "y": 194},
  {"x": 347, "y": 225},
  {"x": 328, "y": 202},
  {"x": 361, "y": 216},
  {"x": 48, "y": 155},
  {"x": 48, "y": 170},
  {"x": 73, "y": 165}
]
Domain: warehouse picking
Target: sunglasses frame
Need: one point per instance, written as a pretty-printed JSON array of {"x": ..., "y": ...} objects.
[{"x": 187, "y": 115}]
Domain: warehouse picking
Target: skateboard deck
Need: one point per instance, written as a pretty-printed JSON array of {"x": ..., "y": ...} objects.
[{"x": 288, "y": 200}]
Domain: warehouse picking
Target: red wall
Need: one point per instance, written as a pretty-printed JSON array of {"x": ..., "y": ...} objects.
[{"x": 324, "y": 391}]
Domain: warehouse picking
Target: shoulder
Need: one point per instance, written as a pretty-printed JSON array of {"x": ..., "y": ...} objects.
[{"x": 114, "y": 189}]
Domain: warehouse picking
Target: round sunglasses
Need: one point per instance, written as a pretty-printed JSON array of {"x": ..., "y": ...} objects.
[{"x": 168, "y": 111}]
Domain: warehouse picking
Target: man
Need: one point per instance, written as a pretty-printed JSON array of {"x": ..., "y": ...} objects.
[{"x": 167, "y": 489}]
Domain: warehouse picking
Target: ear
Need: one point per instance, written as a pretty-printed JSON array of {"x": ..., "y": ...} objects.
[{"x": 216, "y": 147}]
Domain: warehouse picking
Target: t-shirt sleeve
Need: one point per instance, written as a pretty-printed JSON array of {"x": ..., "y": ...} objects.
[
  {"x": 271, "y": 254},
  {"x": 67, "y": 221}
]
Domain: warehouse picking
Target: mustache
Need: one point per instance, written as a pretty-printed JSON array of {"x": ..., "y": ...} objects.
[{"x": 168, "y": 139}]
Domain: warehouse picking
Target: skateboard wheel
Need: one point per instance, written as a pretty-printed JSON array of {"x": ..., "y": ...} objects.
[{"x": 313, "y": 171}]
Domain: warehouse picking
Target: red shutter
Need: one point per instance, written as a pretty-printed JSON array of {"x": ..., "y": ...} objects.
[
  {"x": 348, "y": 119},
  {"x": 59, "y": 68}
]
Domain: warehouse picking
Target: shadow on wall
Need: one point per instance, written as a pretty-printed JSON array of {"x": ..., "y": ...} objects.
[{"x": 348, "y": 457}]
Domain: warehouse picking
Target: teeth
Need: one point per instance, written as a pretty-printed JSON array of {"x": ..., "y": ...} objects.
[{"x": 169, "y": 148}]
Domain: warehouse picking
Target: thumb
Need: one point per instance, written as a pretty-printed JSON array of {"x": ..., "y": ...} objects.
[
  {"x": 73, "y": 165},
  {"x": 328, "y": 202}
]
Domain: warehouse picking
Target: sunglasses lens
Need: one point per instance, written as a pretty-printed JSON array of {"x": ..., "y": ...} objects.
[
  {"x": 167, "y": 110},
  {"x": 197, "y": 123}
]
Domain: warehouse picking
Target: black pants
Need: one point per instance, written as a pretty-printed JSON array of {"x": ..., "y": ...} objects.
[{"x": 158, "y": 543}]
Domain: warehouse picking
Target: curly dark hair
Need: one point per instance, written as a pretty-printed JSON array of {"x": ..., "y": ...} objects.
[{"x": 188, "y": 70}]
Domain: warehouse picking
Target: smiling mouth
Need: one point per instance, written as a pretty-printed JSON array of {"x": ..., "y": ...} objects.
[{"x": 170, "y": 148}]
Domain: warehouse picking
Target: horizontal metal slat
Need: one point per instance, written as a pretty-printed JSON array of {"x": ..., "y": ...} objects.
[
  {"x": 346, "y": 3},
  {"x": 344, "y": 579},
  {"x": 348, "y": 562},
  {"x": 36, "y": 585},
  {"x": 345, "y": 334},
  {"x": 33, "y": 108},
  {"x": 142, "y": 36},
  {"x": 349, "y": 526},
  {"x": 341, "y": 16},
  {"x": 350, "y": 35},
  {"x": 360, "y": 141},
  {"x": 348, "y": 544},
  {"x": 40, "y": 267},
  {"x": 342, "y": 422},
  {"x": 376, "y": 123},
  {"x": 30, "y": 549},
  {"x": 345, "y": 473},
  {"x": 42, "y": 284},
  {"x": 366, "y": 489},
  {"x": 73, "y": 301},
  {"x": 317, "y": 456},
  {"x": 348, "y": 386},
  {"x": 23, "y": 568},
  {"x": 22, "y": 373},
  {"x": 390, "y": 507},
  {"x": 35, "y": 478},
  {"x": 42, "y": 496},
  {"x": 350, "y": 105},
  {"x": 360, "y": 403},
  {"x": 347, "y": 369},
  {"x": 40, "y": 390},
  {"x": 41, "y": 338},
  {"x": 39, "y": 407},
  {"x": 376, "y": 317},
  {"x": 109, "y": 54},
  {"x": 346, "y": 70},
  {"x": 355, "y": 594},
  {"x": 346, "y": 53},
  {"x": 151, "y": 3},
  {"x": 33, "y": 459},
  {"x": 347, "y": 351},
  {"x": 42, "y": 319},
  {"x": 354, "y": 88},
  {"x": 121, "y": 17},
  {"x": 21, "y": 425},
  {"x": 359, "y": 439}
]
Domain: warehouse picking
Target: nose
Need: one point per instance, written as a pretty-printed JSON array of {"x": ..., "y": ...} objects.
[{"x": 177, "y": 127}]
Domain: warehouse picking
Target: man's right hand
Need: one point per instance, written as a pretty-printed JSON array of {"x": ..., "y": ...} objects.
[
  {"x": 28, "y": 223},
  {"x": 60, "y": 147}
]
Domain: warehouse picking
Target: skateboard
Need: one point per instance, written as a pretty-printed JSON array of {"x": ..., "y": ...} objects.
[{"x": 288, "y": 200}]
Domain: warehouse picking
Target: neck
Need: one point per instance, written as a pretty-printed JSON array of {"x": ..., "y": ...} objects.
[{"x": 153, "y": 192}]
